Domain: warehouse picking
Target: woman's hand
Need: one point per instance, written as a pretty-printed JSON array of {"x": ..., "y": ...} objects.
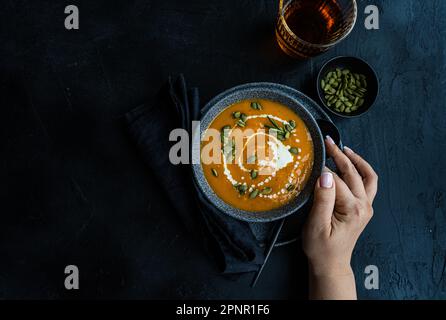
[{"x": 342, "y": 208}]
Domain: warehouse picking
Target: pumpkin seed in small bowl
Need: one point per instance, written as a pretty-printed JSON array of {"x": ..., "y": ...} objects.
[{"x": 347, "y": 86}]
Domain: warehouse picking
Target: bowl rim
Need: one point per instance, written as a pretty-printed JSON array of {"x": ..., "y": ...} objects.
[
  {"x": 203, "y": 184},
  {"x": 319, "y": 93}
]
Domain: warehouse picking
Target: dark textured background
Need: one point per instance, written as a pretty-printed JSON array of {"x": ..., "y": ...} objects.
[{"x": 74, "y": 191}]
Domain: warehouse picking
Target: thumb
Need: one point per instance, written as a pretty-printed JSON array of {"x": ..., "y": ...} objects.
[{"x": 324, "y": 201}]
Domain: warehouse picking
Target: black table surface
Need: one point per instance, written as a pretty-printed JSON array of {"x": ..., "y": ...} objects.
[{"x": 75, "y": 191}]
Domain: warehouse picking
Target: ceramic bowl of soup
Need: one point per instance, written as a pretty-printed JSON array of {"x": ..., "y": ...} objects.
[{"x": 258, "y": 152}]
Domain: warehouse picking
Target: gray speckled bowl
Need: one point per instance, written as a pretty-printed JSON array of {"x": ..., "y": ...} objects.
[{"x": 275, "y": 92}]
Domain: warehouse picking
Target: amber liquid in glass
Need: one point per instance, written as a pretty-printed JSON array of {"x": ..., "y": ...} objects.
[{"x": 314, "y": 22}]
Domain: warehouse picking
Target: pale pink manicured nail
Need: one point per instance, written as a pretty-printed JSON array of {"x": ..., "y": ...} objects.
[
  {"x": 330, "y": 140},
  {"x": 326, "y": 180},
  {"x": 348, "y": 149}
]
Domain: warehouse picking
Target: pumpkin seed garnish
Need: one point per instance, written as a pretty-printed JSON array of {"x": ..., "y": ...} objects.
[
  {"x": 254, "y": 194},
  {"x": 242, "y": 188},
  {"x": 241, "y": 123},
  {"x": 275, "y": 131},
  {"x": 290, "y": 187},
  {"x": 236, "y": 114},
  {"x": 256, "y": 106},
  {"x": 294, "y": 150},
  {"x": 267, "y": 190},
  {"x": 274, "y": 123},
  {"x": 223, "y": 135},
  {"x": 254, "y": 174},
  {"x": 243, "y": 117},
  {"x": 214, "y": 172}
]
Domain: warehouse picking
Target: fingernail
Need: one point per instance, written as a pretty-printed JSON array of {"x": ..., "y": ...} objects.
[
  {"x": 348, "y": 149},
  {"x": 326, "y": 180},
  {"x": 329, "y": 139}
]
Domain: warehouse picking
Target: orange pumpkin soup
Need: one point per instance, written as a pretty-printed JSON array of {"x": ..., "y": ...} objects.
[{"x": 262, "y": 155}]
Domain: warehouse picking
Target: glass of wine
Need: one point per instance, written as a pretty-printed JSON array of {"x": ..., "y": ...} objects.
[{"x": 306, "y": 28}]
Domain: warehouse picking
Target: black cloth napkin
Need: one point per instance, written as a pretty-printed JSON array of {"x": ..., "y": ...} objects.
[{"x": 229, "y": 241}]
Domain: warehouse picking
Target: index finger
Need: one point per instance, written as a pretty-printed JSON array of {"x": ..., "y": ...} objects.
[
  {"x": 346, "y": 168},
  {"x": 369, "y": 176}
]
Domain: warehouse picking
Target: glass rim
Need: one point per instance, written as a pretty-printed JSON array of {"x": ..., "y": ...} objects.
[{"x": 321, "y": 45}]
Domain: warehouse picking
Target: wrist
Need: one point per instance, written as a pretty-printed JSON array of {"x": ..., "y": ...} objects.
[
  {"x": 336, "y": 282},
  {"x": 329, "y": 269}
]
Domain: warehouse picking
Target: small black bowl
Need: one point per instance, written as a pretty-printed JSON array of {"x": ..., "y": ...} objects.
[{"x": 355, "y": 65}]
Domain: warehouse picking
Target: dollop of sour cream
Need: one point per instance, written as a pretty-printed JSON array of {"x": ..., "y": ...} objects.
[{"x": 281, "y": 156}]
